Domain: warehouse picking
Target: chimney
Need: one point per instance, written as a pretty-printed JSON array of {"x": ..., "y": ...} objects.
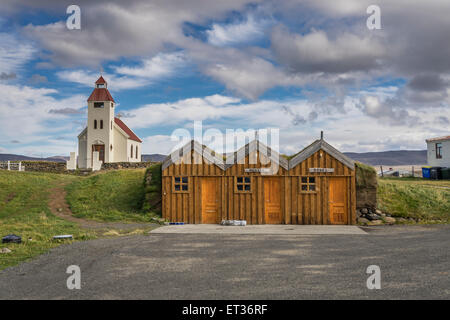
[{"x": 321, "y": 135}]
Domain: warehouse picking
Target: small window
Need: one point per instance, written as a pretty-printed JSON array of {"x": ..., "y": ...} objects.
[
  {"x": 243, "y": 184},
  {"x": 111, "y": 125},
  {"x": 180, "y": 184},
  {"x": 438, "y": 150},
  {"x": 95, "y": 124},
  {"x": 136, "y": 152},
  {"x": 101, "y": 124},
  {"x": 131, "y": 151},
  {"x": 308, "y": 184},
  {"x": 99, "y": 104}
]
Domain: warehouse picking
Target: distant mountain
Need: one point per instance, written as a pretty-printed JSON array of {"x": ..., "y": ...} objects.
[
  {"x": 153, "y": 157},
  {"x": 16, "y": 157},
  {"x": 390, "y": 158},
  {"x": 385, "y": 158}
]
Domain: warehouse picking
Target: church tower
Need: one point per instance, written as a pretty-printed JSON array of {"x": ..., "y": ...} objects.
[
  {"x": 109, "y": 136},
  {"x": 100, "y": 135}
]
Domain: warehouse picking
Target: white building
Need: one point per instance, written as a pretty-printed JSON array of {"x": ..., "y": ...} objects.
[
  {"x": 438, "y": 151},
  {"x": 105, "y": 133}
]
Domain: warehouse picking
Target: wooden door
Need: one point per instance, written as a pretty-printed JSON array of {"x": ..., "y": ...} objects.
[
  {"x": 210, "y": 201},
  {"x": 337, "y": 200},
  {"x": 101, "y": 151},
  {"x": 272, "y": 201}
]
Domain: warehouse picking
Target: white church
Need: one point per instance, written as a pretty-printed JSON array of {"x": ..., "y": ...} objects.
[{"x": 106, "y": 137}]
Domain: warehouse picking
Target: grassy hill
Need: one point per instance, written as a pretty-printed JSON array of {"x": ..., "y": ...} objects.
[
  {"x": 24, "y": 212},
  {"x": 415, "y": 198},
  {"x": 110, "y": 196},
  {"x": 24, "y": 208}
]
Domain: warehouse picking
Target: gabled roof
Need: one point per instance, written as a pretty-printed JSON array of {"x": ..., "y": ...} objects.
[
  {"x": 321, "y": 145},
  {"x": 195, "y": 146},
  {"x": 100, "y": 94},
  {"x": 444, "y": 138},
  {"x": 100, "y": 80},
  {"x": 257, "y": 145},
  {"x": 128, "y": 131}
]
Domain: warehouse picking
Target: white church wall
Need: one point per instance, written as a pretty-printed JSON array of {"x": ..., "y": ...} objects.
[{"x": 120, "y": 146}]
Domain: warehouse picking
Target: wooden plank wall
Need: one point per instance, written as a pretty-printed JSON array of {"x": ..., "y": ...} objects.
[{"x": 297, "y": 208}]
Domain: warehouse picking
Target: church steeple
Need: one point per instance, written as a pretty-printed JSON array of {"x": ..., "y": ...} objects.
[
  {"x": 101, "y": 83},
  {"x": 100, "y": 92}
]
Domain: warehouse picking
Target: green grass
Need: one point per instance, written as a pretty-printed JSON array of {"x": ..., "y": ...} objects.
[
  {"x": 24, "y": 212},
  {"x": 152, "y": 199},
  {"x": 111, "y": 196},
  {"x": 415, "y": 198}
]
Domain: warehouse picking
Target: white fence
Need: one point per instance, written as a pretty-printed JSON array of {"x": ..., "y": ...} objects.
[{"x": 8, "y": 165}]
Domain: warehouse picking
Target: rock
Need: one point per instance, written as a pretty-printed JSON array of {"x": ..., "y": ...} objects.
[
  {"x": 373, "y": 216},
  {"x": 375, "y": 223},
  {"x": 363, "y": 221},
  {"x": 389, "y": 220},
  {"x": 378, "y": 212},
  {"x": 383, "y": 215},
  {"x": 364, "y": 211},
  {"x": 402, "y": 220},
  {"x": 12, "y": 238},
  {"x": 60, "y": 209},
  {"x": 358, "y": 213},
  {"x": 5, "y": 250}
]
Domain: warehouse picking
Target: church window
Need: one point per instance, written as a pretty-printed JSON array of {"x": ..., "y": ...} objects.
[
  {"x": 101, "y": 124},
  {"x": 136, "y": 152},
  {"x": 99, "y": 104},
  {"x": 95, "y": 124},
  {"x": 131, "y": 151}
]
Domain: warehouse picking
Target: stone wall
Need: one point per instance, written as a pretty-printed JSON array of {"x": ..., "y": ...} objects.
[
  {"x": 44, "y": 166},
  {"x": 126, "y": 165}
]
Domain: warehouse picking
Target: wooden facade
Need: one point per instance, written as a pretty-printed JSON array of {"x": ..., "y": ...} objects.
[{"x": 317, "y": 186}]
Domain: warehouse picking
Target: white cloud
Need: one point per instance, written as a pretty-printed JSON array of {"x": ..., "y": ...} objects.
[
  {"x": 246, "y": 32},
  {"x": 13, "y": 53},
  {"x": 347, "y": 129},
  {"x": 159, "y": 67},
  {"x": 25, "y": 116}
]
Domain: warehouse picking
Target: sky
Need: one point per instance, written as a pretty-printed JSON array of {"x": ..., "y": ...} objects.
[{"x": 298, "y": 66}]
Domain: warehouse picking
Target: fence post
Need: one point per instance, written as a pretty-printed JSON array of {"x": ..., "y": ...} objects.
[
  {"x": 20, "y": 166},
  {"x": 9, "y": 168}
]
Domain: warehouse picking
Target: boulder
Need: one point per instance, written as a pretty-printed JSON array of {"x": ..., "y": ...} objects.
[
  {"x": 389, "y": 220},
  {"x": 375, "y": 223},
  {"x": 378, "y": 212},
  {"x": 364, "y": 211},
  {"x": 373, "y": 217},
  {"x": 363, "y": 221},
  {"x": 5, "y": 250}
]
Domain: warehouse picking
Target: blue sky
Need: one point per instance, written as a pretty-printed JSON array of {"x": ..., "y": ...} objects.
[{"x": 298, "y": 66}]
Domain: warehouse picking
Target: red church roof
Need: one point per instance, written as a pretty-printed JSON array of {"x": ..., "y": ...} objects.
[
  {"x": 100, "y": 94},
  {"x": 127, "y": 130},
  {"x": 100, "y": 80}
]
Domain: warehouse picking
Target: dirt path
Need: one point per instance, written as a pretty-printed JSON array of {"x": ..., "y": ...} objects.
[{"x": 59, "y": 207}]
